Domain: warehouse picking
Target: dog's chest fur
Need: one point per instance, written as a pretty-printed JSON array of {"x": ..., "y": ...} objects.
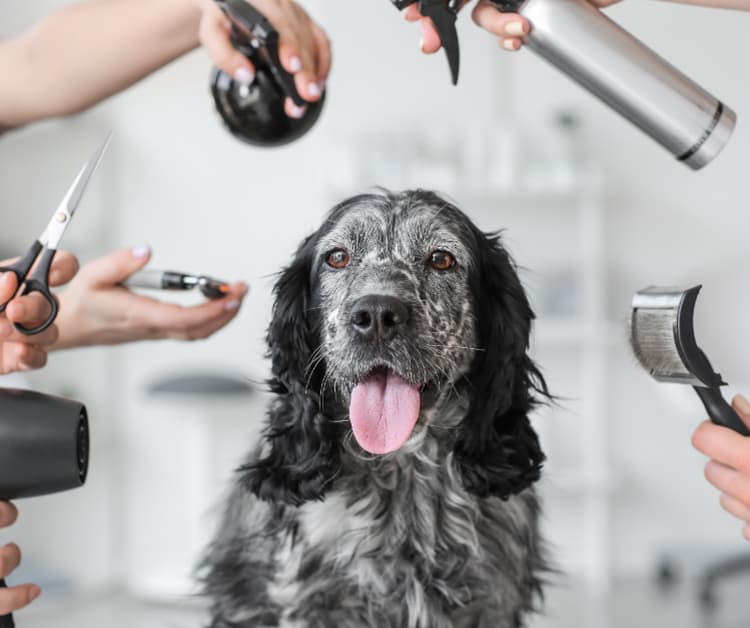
[{"x": 403, "y": 546}]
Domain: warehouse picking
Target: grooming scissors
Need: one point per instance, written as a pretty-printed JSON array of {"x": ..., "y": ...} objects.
[{"x": 45, "y": 247}]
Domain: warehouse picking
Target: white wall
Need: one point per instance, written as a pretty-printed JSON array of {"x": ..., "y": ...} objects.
[{"x": 207, "y": 203}]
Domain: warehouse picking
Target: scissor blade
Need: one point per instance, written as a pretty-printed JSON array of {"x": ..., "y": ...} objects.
[
  {"x": 445, "y": 25},
  {"x": 75, "y": 193}
]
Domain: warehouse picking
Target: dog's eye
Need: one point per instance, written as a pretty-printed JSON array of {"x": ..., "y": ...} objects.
[
  {"x": 338, "y": 258},
  {"x": 442, "y": 260}
]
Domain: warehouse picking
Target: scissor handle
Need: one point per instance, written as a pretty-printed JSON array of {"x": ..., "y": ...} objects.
[
  {"x": 6, "y": 621},
  {"x": 39, "y": 282},
  {"x": 20, "y": 268}
]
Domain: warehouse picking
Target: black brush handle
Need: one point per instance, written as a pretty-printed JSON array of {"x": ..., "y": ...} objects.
[
  {"x": 6, "y": 621},
  {"x": 720, "y": 411}
]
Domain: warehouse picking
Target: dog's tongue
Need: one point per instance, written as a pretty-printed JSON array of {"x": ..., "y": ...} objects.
[{"x": 384, "y": 409}]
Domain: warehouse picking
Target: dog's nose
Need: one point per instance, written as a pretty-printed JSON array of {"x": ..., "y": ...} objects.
[{"x": 379, "y": 316}]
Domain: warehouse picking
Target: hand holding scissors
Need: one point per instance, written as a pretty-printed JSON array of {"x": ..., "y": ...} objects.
[{"x": 45, "y": 248}]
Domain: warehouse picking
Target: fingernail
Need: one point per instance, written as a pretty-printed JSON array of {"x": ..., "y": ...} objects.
[
  {"x": 295, "y": 65},
  {"x": 244, "y": 76},
  {"x": 313, "y": 89},
  {"x": 35, "y": 592},
  {"x": 509, "y": 44},
  {"x": 743, "y": 405},
  {"x": 231, "y": 305},
  {"x": 514, "y": 28},
  {"x": 140, "y": 251},
  {"x": 298, "y": 112},
  {"x": 421, "y": 45}
]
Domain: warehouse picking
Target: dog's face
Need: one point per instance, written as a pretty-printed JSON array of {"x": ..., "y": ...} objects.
[
  {"x": 397, "y": 315},
  {"x": 401, "y": 312}
]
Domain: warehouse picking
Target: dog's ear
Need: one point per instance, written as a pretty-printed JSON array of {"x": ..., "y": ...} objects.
[
  {"x": 496, "y": 449},
  {"x": 297, "y": 458}
]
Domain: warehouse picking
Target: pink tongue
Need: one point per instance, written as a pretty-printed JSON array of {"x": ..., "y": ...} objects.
[{"x": 383, "y": 411}]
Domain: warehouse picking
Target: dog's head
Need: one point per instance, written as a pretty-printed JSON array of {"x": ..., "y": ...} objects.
[{"x": 396, "y": 310}]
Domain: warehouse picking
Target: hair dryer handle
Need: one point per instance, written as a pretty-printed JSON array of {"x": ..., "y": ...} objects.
[{"x": 6, "y": 621}]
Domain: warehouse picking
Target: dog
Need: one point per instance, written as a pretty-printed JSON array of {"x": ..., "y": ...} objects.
[{"x": 393, "y": 484}]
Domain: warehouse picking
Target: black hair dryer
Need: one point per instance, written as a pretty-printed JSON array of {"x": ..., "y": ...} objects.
[
  {"x": 255, "y": 113},
  {"x": 44, "y": 448}
]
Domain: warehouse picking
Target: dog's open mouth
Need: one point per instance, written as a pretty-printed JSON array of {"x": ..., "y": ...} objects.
[{"x": 383, "y": 410}]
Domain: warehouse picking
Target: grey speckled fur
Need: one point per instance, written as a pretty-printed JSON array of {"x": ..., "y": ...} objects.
[{"x": 403, "y": 540}]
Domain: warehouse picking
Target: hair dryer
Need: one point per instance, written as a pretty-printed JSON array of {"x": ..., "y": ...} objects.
[
  {"x": 633, "y": 80},
  {"x": 44, "y": 448}
]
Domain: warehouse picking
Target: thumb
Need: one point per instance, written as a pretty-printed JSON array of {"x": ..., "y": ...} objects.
[
  {"x": 116, "y": 267},
  {"x": 742, "y": 406}
]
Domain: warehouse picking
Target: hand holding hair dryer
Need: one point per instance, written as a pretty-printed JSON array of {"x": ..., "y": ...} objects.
[{"x": 44, "y": 448}]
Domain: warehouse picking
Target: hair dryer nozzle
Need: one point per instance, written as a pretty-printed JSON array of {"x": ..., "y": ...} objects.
[{"x": 44, "y": 444}]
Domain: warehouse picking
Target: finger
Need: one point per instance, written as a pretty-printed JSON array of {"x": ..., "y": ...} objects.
[
  {"x": 728, "y": 481},
  {"x": 324, "y": 54},
  {"x": 298, "y": 57},
  {"x": 735, "y": 507},
  {"x": 215, "y": 35},
  {"x": 168, "y": 320},
  {"x": 292, "y": 110},
  {"x": 28, "y": 311},
  {"x": 746, "y": 531},
  {"x": 116, "y": 267},
  {"x": 429, "y": 41},
  {"x": 8, "y": 514},
  {"x": 64, "y": 268},
  {"x": 10, "y": 558},
  {"x": 8, "y": 287},
  {"x": 412, "y": 13},
  {"x": 15, "y": 598},
  {"x": 489, "y": 18},
  {"x": 510, "y": 43},
  {"x": 23, "y": 357},
  {"x": 722, "y": 444},
  {"x": 742, "y": 406}
]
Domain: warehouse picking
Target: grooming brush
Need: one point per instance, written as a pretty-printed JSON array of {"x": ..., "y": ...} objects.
[{"x": 663, "y": 340}]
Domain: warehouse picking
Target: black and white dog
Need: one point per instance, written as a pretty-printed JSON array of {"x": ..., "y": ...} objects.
[{"x": 393, "y": 484}]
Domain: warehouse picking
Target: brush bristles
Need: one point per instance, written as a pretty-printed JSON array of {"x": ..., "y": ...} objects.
[{"x": 654, "y": 344}]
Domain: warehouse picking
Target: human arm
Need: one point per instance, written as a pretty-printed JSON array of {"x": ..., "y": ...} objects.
[{"x": 85, "y": 52}]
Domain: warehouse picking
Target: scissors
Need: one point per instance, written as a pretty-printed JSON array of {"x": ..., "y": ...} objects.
[{"x": 46, "y": 246}]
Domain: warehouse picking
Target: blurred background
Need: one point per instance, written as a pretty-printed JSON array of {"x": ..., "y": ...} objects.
[{"x": 593, "y": 211}]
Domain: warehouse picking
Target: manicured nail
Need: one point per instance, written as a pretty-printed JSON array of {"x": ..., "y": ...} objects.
[
  {"x": 35, "y": 592},
  {"x": 298, "y": 112},
  {"x": 244, "y": 76},
  {"x": 295, "y": 65},
  {"x": 743, "y": 405},
  {"x": 515, "y": 29},
  {"x": 509, "y": 44},
  {"x": 140, "y": 251},
  {"x": 231, "y": 305},
  {"x": 313, "y": 89}
]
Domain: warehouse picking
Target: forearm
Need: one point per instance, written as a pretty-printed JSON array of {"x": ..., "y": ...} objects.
[
  {"x": 738, "y": 5},
  {"x": 86, "y": 52}
]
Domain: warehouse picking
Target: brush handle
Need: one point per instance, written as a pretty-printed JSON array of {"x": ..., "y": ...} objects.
[
  {"x": 6, "y": 621},
  {"x": 720, "y": 411}
]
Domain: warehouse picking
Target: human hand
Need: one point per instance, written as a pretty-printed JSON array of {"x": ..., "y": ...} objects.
[
  {"x": 510, "y": 28},
  {"x": 96, "y": 310},
  {"x": 12, "y": 598},
  {"x": 17, "y": 351},
  {"x": 729, "y": 467},
  {"x": 304, "y": 48}
]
